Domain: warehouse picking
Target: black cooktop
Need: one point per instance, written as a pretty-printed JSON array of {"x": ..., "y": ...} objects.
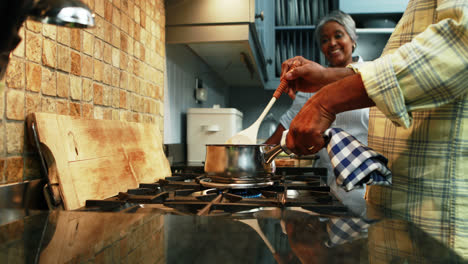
[{"x": 182, "y": 194}]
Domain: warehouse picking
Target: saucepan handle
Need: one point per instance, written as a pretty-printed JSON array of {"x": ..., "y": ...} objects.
[
  {"x": 283, "y": 142},
  {"x": 289, "y": 152},
  {"x": 271, "y": 154}
]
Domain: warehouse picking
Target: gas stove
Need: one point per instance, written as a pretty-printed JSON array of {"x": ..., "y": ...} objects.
[{"x": 186, "y": 193}]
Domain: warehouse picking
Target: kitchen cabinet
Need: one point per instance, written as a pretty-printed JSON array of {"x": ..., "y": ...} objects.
[
  {"x": 374, "y": 17},
  {"x": 231, "y": 36},
  {"x": 296, "y": 20},
  {"x": 375, "y": 22},
  {"x": 246, "y": 41},
  {"x": 373, "y": 32},
  {"x": 294, "y": 30},
  {"x": 372, "y": 6}
]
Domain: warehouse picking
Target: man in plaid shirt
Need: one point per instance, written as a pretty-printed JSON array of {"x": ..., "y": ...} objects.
[{"x": 419, "y": 123}]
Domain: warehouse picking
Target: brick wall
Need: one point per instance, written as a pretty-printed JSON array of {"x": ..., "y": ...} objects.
[{"x": 112, "y": 71}]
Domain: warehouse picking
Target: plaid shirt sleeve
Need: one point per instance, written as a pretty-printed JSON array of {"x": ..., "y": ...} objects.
[{"x": 424, "y": 73}]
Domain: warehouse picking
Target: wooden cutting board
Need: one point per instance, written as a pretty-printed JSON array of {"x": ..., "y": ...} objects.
[{"x": 97, "y": 159}]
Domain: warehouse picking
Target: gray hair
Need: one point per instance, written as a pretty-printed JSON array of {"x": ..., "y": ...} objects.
[{"x": 341, "y": 18}]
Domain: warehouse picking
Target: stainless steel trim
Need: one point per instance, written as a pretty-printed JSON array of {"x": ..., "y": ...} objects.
[
  {"x": 69, "y": 13},
  {"x": 209, "y": 184},
  {"x": 52, "y": 202},
  {"x": 38, "y": 146},
  {"x": 271, "y": 154}
]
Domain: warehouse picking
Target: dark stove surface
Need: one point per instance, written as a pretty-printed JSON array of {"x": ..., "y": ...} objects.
[
  {"x": 182, "y": 194},
  {"x": 268, "y": 236},
  {"x": 158, "y": 223}
]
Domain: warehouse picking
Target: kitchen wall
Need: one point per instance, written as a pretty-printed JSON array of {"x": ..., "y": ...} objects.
[
  {"x": 113, "y": 71},
  {"x": 183, "y": 68}
]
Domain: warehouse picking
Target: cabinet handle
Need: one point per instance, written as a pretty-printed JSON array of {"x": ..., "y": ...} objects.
[
  {"x": 261, "y": 16},
  {"x": 211, "y": 128}
]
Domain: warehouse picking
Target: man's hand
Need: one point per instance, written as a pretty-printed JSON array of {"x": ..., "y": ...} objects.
[
  {"x": 306, "y": 77},
  {"x": 309, "y": 76},
  {"x": 305, "y": 134},
  {"x": 306, "y": 130}
]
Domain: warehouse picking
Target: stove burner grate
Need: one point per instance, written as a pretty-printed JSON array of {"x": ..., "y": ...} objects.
[{"x": 197, "y": 194}]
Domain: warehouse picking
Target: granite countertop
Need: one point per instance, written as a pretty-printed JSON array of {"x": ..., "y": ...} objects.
[{"x": 147, "y": 236}]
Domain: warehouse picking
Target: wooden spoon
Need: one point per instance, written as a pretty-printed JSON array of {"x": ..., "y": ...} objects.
[{"x": 249, "y": 135}]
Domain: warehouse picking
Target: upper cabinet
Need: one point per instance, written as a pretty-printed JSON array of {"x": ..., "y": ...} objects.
[
  {"x": 374, "y": 17},
  {"x": 375, "y": 21},
  {"x": 229, "y": 35},
  {"x": 373, "y": 7},
  {"x": 245, "y": 41}
]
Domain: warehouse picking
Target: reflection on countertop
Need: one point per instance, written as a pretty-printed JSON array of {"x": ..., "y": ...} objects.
[
  {"x": 271, "y": 235},
  {"x": 72, "y": 236}
]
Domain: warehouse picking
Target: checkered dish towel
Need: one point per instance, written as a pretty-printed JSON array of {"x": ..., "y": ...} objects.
[
  {"x": 344, "y": 230},
  {"x": 355, "y": 164}
]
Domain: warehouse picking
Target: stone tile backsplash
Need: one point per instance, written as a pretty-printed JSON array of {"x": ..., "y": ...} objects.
[{"x": 112, "y": 71}]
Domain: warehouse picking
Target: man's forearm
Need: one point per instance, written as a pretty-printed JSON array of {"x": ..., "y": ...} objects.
[
  {"x": 343, "y": 95},
  {"x": 333, "y": 74},
  {"x": 311, "y": 77}
]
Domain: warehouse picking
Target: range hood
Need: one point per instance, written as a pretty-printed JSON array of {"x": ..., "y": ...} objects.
[{"x": 223, "y": 33}]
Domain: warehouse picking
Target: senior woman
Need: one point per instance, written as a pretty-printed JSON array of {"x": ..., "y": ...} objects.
[{"x": 336, "y": 34}]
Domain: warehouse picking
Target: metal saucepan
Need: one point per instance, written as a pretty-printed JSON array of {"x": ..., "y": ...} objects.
[{"x": 233, "y": 163}]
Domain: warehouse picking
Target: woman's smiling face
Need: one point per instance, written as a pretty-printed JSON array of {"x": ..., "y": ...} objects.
[{"x": 336, "y": 44}]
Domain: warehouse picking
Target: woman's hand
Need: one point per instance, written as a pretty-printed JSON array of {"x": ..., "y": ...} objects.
[{"x": 308, "y": 76}]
